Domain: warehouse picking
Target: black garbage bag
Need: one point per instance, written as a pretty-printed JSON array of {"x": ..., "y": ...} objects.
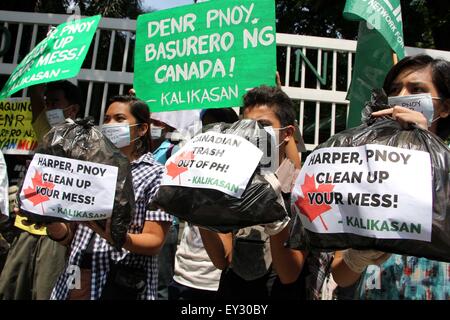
[
  {"x": 220, "y": 212},
  {"x": 385, "y": 131},
  {"x": 82, "y": 141}
]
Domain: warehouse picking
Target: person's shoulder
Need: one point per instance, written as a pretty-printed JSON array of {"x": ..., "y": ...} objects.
[{"x": 147, "y": 171}]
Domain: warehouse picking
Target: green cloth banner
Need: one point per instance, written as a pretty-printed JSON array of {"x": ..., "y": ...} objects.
[
  {"x": 380, "y": 34},
  {"x": 205, "y": 55},
  {"x": 59, "y": 56}
]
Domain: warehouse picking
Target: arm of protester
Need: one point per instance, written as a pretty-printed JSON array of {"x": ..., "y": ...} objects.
[
  {"x": 147, "y": 243},
  {"x": 61, "y": 232},
  {"x": 287, "y": 262},
  {"x": 218, "y": 246},
  {"x": 37, "y": 100},
  {"x": 342, "y": 274},
  {"x": 404, "y": 116},
  {"x": 348, "y": 265}
]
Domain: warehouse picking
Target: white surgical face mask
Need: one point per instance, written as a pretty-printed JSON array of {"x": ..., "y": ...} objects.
[
  {"x": 422, "y": 103},
  {"x": 118, "y": 133},
  {"x": 55, "y": 117},
  {"x": 155, "y": 131},
  {"x": 275, "y": 137}
]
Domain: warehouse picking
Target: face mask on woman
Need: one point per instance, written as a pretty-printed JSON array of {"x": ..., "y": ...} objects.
[
  {"x": 118, "y": 133},
  {"x": 422, "y": 103}
]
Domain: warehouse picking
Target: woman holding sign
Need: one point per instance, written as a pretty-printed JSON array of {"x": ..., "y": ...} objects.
[
  {"x": 107, "y": 273},
  {"x": 418, "y": 80}
]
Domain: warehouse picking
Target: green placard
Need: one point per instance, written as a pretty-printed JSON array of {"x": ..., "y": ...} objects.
[
  {"x": 380, "y": 34},
  {"x": 59, "y": 56},
  {"x": 205, "y": 55},
  {"x": 383, "y": 16}
]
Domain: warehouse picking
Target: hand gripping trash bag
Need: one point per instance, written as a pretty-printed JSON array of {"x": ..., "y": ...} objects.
[
  {"x": 80, "y": 140},
  {"x": 383, "y": 232},
  {"x": 216, "y": 210}
]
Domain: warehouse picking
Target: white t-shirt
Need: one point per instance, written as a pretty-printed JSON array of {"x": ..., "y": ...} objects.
[{"x": 193, "y": 268}]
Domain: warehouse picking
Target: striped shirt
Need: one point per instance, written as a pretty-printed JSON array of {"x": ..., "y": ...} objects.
[{"x": 147, "y": 175}]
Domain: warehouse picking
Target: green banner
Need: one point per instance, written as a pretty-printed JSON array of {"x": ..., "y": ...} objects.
[
  {"x": 380, "y": 34},
  {"x": 59, "y": 56},
  {"x": 205, "y": 55}
]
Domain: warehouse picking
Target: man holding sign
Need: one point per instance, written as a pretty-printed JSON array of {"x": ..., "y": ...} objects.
[{"x": 254, "y": 260}]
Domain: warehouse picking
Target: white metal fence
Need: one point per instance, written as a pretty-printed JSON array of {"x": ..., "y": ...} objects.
[{"x": 316, "y": 72}]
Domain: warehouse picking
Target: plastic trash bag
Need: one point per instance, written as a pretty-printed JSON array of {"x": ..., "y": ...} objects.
[
  {"x": 80, "y": 140},
  {"x": 385, "y": 131},
  {"x": 217, "y": 211}
]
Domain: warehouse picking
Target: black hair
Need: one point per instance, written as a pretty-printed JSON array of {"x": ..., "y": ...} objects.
[
  {"x": 440, "y": 74},
  {"x": 141, "y": 112},
  {"x": 227, "y": 115},
  {"x": 275, "y": 99},
  {"x": 71, "y": 92}
]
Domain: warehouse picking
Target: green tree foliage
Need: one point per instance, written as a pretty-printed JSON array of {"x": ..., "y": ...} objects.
[{"x": 425, "y": 22}]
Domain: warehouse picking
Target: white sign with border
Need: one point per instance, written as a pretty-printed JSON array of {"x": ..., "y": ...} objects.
[
  {"x": 70, "y": 189},
  {"x": 213, "y": 160},
  {"x": 373, "y": 190}
]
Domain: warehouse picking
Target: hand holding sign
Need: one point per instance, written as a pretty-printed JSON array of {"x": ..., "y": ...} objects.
[{"x": 404, "y": 116}]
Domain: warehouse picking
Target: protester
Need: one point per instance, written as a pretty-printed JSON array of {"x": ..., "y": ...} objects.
[
  {"x": 131, "y": 273},
  {"x": 272, "y": 271},
  {"x": 34, "y": 260},
  {"x": 196, "y": 277},
  {"x": 384, "y": 276}
]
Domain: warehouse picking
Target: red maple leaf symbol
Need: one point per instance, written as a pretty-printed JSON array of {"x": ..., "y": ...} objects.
[
  {"x": 173, "y": 169},
  {"x": 312, "y": 211},
  {"x": 31, "y": 191}
]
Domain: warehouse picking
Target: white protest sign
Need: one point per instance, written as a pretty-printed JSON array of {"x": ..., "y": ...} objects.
[
  {"x": 372, "y": 190},
  {"x": 213, "y": 160},
  {"x": 68, "y": 188}
]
